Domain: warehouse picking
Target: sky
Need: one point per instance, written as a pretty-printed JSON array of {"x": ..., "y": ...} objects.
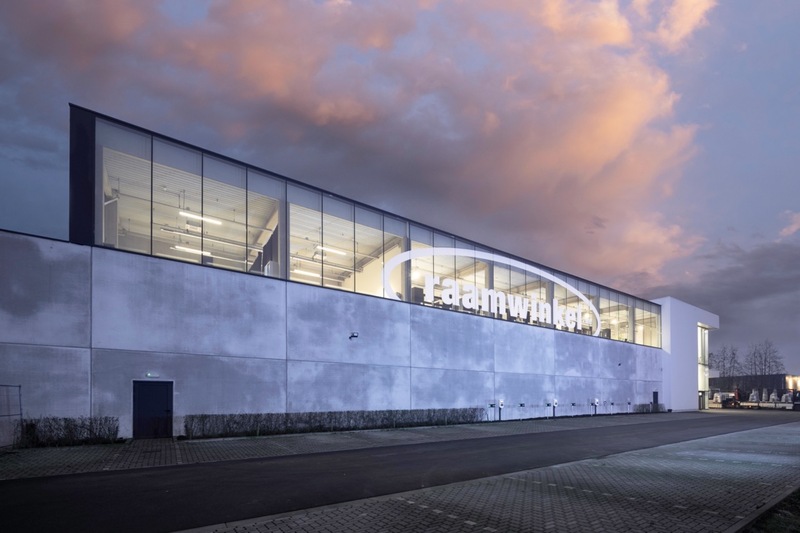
[{"x": 651, "y": 146}]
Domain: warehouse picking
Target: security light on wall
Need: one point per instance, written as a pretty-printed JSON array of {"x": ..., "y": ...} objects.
[{"x": 353, "y": 335}]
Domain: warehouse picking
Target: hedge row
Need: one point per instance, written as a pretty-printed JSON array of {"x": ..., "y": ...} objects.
[
  {"x": 649, "y": 408},
  {"x": 56, "y": 431},
  {"x": 255, "y": 424}
]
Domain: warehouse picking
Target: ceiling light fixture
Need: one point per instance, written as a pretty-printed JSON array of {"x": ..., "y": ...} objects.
[
  {"x": 190, "y": 250},
  {"x": 206, "y": 238},
  {"x": 327, "y": 264},
  {"x": 306, "y": 273},
  {"x": 315, "y": 275},
  {"x": 331, "y": 250},
  {"x": 198, "y": 217}
]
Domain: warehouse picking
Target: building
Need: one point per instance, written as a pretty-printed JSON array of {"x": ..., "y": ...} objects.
[{"x": 193, "y": 283}]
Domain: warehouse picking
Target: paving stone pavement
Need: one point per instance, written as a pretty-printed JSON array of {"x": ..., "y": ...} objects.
[
  {"x": 715, "y": 484},
  {"x": 712, "y": 484},
  {"x": 15, "y": 464}
]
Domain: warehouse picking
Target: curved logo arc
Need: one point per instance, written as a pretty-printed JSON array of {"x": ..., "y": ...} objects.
[{"x": 397, "y": 260}]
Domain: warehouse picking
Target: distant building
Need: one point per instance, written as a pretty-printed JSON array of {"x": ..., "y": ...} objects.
[{"x": 193, "y": 283}]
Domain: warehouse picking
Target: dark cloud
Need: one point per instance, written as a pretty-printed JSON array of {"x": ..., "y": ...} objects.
[{"x": 755, "y": 292}]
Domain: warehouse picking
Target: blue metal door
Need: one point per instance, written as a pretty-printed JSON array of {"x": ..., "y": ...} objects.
[{"x": 152, "y": 409}]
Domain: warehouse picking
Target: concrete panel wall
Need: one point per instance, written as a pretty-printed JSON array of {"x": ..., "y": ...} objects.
[
  {"x": 523, "y": 350},
  {"x": 44, "y": 296},
  {"x": 55, "y": 380},
  {"x": 581, "y": 355},
  {"x": 314, "y": 386},
  {"x": 534, "y": 390},
  {"x": 444, "y": 339},
  {"x": 439, "y": 388},
  {"x": 201, "y": 384},
  {"x": 150, "y": 304},
  {"x": 320, "y": 322},
  {"x": 649, "y": 363}
]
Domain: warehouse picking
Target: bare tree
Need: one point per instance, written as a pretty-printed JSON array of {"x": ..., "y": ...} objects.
[
  {"x": 763, "y": 359},
  {"x": 726, "y": 361}
]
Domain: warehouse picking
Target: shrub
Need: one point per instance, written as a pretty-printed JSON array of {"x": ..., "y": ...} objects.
[
  {"x": 649, "y": 408},
  {"x": 57, "y": 431},
  {"x": 255, "y": 424}
]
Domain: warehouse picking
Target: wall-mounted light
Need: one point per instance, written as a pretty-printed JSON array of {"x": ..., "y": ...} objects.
[
  {"x": 353, "y": 335},
  {"x": 151, "y": 375}
]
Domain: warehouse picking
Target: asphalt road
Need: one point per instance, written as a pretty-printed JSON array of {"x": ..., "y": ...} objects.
[{"x": 188, "y": 496}]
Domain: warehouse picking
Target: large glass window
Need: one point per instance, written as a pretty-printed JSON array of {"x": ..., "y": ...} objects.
[
  {"x": 369, "y": 252},
  {"x": 395, "y": 241},
  {"x": 607, "y": 313},
  {"x": 305, "y": 235},
  {"x": 265, "y": 199},
  {"x": 337, "y": 248},
  {"x": 465, "y": 273},
  {"x": 224, "y": 218},
  {"x": 444, "y": 266},
  {"x": 159, "y": 197},
  {"x": 177, "y": 202},
  {"x": 421, "y": 267},
  {"x": 651, "y": 322},
  {"x": 501, "y": 285},
  {"x": 123, "y": 188}
]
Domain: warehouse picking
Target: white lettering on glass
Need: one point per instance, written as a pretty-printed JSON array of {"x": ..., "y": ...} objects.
[{"x": 494, "y": 302}]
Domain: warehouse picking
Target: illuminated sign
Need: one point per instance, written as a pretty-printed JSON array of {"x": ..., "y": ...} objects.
[{"x": 494, "y": 302}]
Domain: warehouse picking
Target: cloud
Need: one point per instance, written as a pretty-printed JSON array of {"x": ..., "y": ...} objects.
[
  {"x": 752, "y": 290},
  {"x": 793, "y": 226},
  {"x": 680, "y": 20},
  {"x": 520, "y": 124},
  {"x": 601, "y": 22}
]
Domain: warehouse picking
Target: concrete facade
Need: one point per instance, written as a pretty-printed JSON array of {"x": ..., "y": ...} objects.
[{"x": 81, "y": 323}]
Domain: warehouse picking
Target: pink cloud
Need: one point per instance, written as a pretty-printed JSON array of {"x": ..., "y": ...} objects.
[
  {"x": 543, "y": 128},
  {"x": 598, "y": 22},
  {"x": 680, "y": 20},
  {"x": 793, "y": 226}
]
